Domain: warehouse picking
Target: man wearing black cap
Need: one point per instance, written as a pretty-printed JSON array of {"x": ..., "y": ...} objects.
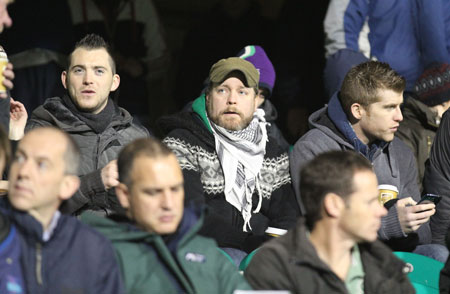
[
  {"x": 230, "y": 162},
  {"x": 434, "y": 87},
  {"x": 423, "y": 111}
]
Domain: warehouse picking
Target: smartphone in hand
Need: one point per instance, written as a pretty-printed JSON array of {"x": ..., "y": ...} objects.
[{"x": 430, "y": 198}]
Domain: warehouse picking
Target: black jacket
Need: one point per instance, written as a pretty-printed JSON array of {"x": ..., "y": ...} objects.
[
  {"x": 291, "y": 263},
  {"x": 437, "y": 180}
]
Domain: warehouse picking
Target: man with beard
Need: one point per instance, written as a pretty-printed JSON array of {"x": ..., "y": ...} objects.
[{"x": 230, "y": 163}]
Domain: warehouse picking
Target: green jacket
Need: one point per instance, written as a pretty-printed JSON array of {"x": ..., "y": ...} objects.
[{"x": 148, "y": 266}]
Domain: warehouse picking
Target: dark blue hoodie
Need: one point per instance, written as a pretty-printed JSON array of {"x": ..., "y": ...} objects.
[{"x": 75, "y": 259}]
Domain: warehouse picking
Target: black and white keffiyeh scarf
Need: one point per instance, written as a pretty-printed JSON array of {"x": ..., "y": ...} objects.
[{"x": 241, "y": 154}]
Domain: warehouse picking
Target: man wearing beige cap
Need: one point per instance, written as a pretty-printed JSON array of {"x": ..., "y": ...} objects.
[{"x": 230, "y": 163}]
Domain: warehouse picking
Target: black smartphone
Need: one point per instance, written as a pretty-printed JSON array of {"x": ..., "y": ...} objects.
[{"x": 430, "y": 198}]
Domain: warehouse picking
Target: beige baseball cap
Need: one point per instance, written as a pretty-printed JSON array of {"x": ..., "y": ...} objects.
[{"x": 220, "y": 70}]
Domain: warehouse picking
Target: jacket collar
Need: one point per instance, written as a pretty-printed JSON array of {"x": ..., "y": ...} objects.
[
  {"x": 340, "y": 120},
  {"x": 56, "y": 113},
  {"x": 28, "y": 225},
  {"x": 199, "y": 107},
  {"x": 378, "y": 265}
]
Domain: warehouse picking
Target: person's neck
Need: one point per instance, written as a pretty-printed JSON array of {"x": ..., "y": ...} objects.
[
  {"x": 45, "y": 218},
  {"x": 360, "y": 134},
  {"x": 332, "y": 247}
]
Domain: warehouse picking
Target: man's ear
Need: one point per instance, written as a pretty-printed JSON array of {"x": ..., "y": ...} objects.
[
  {"x": 64, "y": 78},
  {"x": 69, "y": 186},
  {"x": 115, "y": 83},
  {"x": 333, "y": 205},
  {"x": 123, "y": 195},
  {"x": 357, "y": 111}
]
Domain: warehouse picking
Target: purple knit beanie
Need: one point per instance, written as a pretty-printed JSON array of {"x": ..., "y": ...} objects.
[
  {"x": 257, "y": 56},
  {"x": 433, "y": 86}
]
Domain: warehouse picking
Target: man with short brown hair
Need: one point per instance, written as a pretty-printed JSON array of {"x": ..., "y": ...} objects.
[{"x": 364, "y": 117}]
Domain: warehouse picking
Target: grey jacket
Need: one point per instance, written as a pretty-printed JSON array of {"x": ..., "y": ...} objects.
[
  {"x": 393, "y": 163},
  {"x": 97, "y": 150}
]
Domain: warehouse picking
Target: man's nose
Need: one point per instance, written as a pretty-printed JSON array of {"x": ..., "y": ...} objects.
[
  {"x": 87, "y": 77},
  {"x": 232, "y": 97},
  {"x": 7, "y": 21},
  {"x": 24, "y": 168},
  {"x": 398, "y": 114},
  {"x": 167, "y": 200}
]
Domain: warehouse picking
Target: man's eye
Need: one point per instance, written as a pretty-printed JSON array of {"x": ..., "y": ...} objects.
[
  {"x": 77, "y": 70},
  {"x": 19, "y": 158},
  {"x": 42, "y": 165},
  {"x": 99, "y": 71},
  {"x": 176, "y": 188}
]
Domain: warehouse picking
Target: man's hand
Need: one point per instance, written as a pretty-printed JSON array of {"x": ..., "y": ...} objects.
[
  {"x": 110, "y": 175},
  {"x": 18, "y": 120},
  {"x": 8, "y": 75},
  {"x": 412, "y": 216}
]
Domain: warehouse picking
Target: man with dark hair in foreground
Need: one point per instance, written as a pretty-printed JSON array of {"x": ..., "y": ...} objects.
[{"x": 335, "y": 248}]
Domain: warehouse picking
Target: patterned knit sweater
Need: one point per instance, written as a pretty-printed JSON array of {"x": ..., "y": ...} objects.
[{"x": 189, "y": 136}]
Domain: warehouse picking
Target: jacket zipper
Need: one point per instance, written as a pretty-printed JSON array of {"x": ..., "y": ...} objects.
[
  {"x": 96, "y": 153},
  {"x": 39, "y": 263}
]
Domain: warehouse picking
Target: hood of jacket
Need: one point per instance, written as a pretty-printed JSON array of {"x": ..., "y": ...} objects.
[
  {"x": 194, "y": 120},
  {"x": 56, "y": 113},
  {"x": 333, "y": 121},
  {"x": 338, "y": 124}
]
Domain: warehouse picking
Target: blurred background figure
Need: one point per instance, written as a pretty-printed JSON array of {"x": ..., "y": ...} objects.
[
  {"x": 38, "y": 51},
  {"x": 422, "y": 113},
  {"x": 133, "y": 29}
]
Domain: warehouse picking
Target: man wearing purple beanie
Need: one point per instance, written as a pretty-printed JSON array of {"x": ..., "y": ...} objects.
[
  {"x": 257, "y": 56},
  {"x": 433, "y": 88}
]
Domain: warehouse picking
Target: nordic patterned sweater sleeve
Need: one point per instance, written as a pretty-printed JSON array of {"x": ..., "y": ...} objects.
[{"x": 193, "y": 189}]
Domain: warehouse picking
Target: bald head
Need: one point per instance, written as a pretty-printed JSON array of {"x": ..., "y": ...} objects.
[{"x": 42, "y": 173}]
